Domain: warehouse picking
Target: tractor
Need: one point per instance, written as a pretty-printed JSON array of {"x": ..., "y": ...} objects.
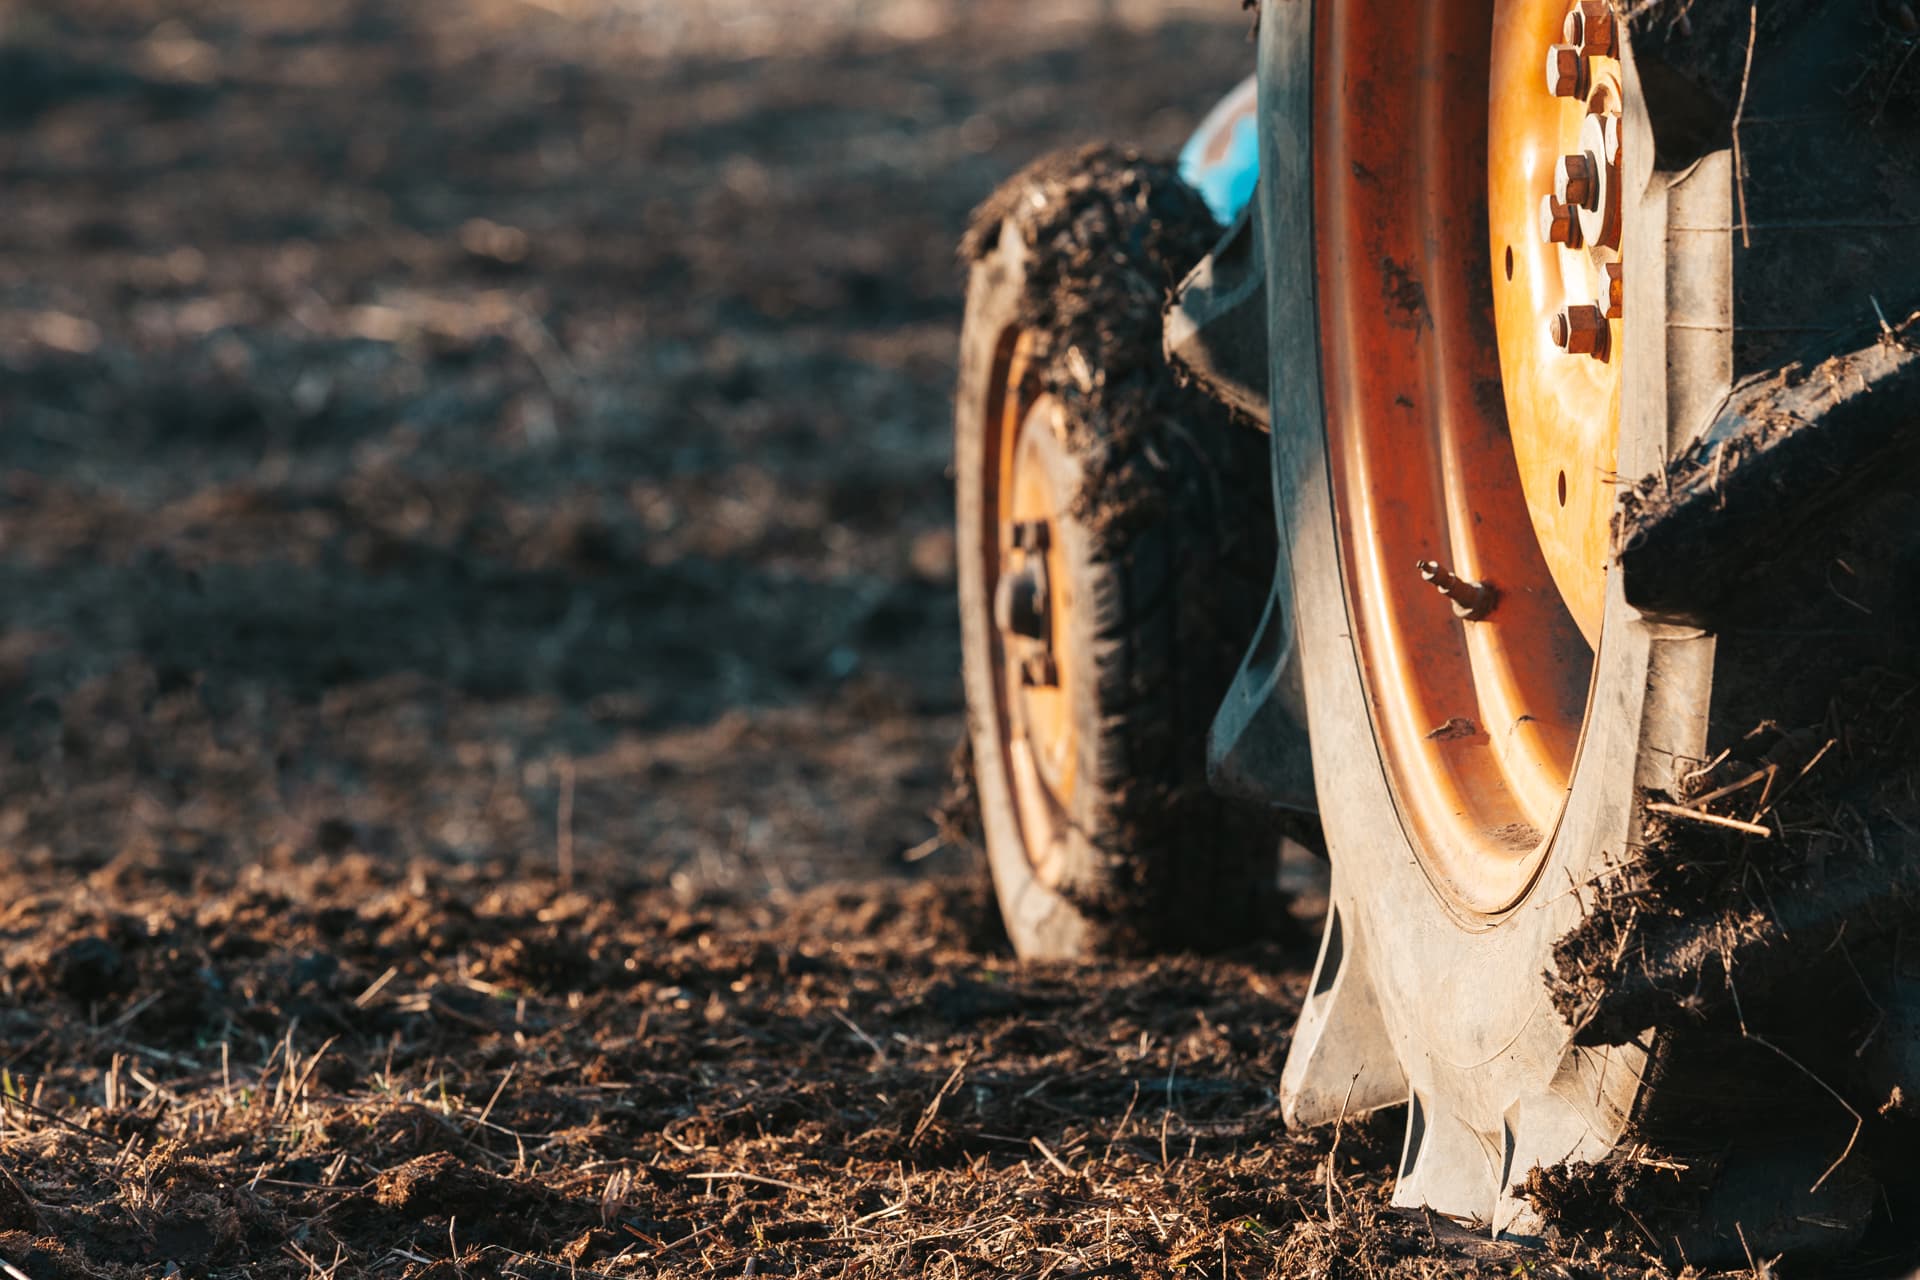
[{"x": 1487, "y": 457}]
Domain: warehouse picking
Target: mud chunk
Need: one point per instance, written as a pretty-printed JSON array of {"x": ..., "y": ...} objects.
[
  {"x": 16, "y": 1210},
  {"x": 441, "y": 1184},
  {"x": 316, "y": 969},
  {"x": 964, "y": 1002},
  {"x": 334, "y": 835},
  {"x": 552, "y": 961},
  {"x": 87, "y": 969},
  {"x": 490, "y": 1209}
]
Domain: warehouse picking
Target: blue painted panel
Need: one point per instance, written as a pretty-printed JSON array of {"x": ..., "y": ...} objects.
[{"x": 1222, "y": 159}]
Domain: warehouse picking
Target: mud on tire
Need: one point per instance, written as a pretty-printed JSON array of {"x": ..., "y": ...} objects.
[{"x": 1164, "y": 537}]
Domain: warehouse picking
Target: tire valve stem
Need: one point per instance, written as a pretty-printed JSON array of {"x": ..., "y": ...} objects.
[{"x": 1472, "y": 601}]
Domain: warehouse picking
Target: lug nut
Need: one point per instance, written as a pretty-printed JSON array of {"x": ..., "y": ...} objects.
[
  {"x": 1579, "y": 330},
  {"x": 1566, "y": 71},
  {"x": 1616, "y": 291},
  {"x": 1030, "y": 535},
  {"x": 1472, "y": 601},
  {"x": 1576, "y": 180},
  {"x": 1589, "y": 28},
  {"x": 1020, "y": 603},
  {"x": 1557, "y": 223}
]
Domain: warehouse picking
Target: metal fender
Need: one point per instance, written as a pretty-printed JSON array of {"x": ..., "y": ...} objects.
[{"x": 1216, "y": 335}]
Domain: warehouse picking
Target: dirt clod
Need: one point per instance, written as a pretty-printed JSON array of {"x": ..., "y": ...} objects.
[{"x": 87, "y": 968}]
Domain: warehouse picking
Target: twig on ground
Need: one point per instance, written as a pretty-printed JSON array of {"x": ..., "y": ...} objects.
[
  {"x": 10, "y": 1100},
  {"x": 1805, "y": 769},
  {"x": 1125, "y": 1117},
  {"x": 865, "y": 1039},
  {"x": 1051, "y": 1158},
  {"x": 564, "y": 821},
  {"x": 1339, "y": 1123},
  {"x": 498, "y": 1090},
  {"x": 375, "y": 987},
  {"x": 926, "y": 848},
  {"x": 1740, "y": 108},
  {"x": 681, "y": 1243},
  {"x": 747, "y": 1177},
  {"x": 933, "y": 1107},
  {"x": 1711, "y": 819},
  {"x": 1859, "y": 1122},
  {"x": 1721, "y": 793}
]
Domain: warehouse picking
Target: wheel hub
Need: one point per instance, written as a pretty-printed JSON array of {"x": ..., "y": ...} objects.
[
  {"x": 1020, "y": 600},
  {"x": 1555, "y": 213}
]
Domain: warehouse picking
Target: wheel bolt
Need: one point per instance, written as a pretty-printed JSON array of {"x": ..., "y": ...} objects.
[
  {"x": 1616, "y": 291},
  {"x": 1589, "y": 28},
  {"x": 1557, "y": 223},
  {"x": 1020, "y": 603},
  {"x": 1566, "y": 71},
  {"x": 1030, "y": 535},
  {"x": 1579, "y": 330},
  {"x": 1472, "y": 601},
  {"x": 1575, "y": 180}
]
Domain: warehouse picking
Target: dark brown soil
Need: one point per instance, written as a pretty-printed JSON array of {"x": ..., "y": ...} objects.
[
  {"x": 457, "y": 1069},
  {"x": 478, "y": 657}
]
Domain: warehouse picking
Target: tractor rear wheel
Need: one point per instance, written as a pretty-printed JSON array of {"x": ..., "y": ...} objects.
[
  {"x": 1503, "y": 304},
  {"x": 1115, "y": 536}
]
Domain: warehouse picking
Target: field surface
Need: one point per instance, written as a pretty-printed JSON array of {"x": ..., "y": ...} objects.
[{"x": 478, "y": 657}]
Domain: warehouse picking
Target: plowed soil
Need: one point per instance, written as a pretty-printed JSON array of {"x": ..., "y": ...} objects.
[{"x": 478, "y": 655}]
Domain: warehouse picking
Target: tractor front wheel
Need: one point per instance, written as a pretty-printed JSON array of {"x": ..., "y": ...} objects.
[{"x": 1115, "y": 537}]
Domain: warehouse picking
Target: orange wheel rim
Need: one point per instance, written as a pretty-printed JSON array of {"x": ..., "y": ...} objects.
[
  {"x": 1453, "y": 444},
  {"x": 1033, "y": 602}
]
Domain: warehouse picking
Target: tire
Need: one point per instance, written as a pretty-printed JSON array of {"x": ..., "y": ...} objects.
[
  {"x": 1419, "y": 1000},
  {"x": 1159, "y": 539}
]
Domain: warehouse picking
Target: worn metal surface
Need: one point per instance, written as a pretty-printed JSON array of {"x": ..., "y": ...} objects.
[{"x": 1216, "y": 326}]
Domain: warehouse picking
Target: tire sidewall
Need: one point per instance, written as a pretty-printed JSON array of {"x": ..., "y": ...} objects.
[{"x": 1489, "y": 1062}]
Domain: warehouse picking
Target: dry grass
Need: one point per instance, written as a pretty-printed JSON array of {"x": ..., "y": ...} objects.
[{"x": 341, "y": 1069}]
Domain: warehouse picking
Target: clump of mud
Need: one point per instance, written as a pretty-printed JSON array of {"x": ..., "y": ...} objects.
[{"x": 1752, "y": 937}]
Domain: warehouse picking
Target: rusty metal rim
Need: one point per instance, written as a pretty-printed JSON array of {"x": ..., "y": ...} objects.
[
  {"x": 1478, "y": 718},
  {"x": 1036, "y": 724}
]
